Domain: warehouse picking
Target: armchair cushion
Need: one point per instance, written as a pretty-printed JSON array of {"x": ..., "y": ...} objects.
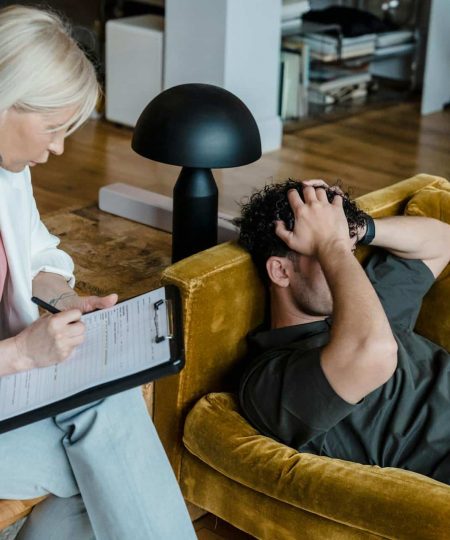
[{"x": 433, "y": 201}]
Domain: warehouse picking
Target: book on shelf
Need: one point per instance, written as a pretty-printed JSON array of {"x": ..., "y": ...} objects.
[
  {"x": 289, "y": 85},
  {"x": 336, "y": 40},
  {"x": 395, "y": 37},
  {"x": 354, "y": 92},
  {"x": 341, "y": 81},
  {"x": 329, "y": 49},
  {"x": 395, "y": 50}
]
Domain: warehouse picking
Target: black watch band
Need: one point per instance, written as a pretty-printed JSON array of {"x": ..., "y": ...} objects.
[{"x": 370, "y": 231}]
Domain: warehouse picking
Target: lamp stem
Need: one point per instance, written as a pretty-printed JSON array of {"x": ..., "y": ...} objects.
[{"x": 195, "y": 205}]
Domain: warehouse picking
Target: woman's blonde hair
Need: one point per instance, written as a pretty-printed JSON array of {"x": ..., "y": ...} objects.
[{"x": 42, "y": 68}]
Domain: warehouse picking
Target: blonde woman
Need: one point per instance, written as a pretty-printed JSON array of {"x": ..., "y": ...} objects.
[{"x": 102, "y": 465}]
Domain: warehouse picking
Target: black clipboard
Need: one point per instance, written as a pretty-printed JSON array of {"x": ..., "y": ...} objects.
[{"x": 173, "y": 365}]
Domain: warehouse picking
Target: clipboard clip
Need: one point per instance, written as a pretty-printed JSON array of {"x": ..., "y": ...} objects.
[{"x": 169, "y": 315}]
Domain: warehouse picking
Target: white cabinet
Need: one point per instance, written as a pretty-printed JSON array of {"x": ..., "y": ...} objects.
[{"x": 134, "y": 66}]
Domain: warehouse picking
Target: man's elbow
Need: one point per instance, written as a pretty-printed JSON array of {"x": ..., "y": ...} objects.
[{"x": 381, "y": 356}]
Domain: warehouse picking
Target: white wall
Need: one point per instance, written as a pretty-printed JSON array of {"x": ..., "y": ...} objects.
[
  {"x": 436, "y": 83},
  {"x": 234, "y": 44}
]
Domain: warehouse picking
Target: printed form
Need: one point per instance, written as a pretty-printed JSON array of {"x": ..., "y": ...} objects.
[{"x": 119, "y": 341}]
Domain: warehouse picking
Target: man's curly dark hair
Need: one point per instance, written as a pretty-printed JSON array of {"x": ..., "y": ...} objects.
[{"x": 258, "y": 215}]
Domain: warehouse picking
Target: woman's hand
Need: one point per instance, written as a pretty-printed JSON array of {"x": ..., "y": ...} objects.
[
  {"x": 54, "y": 289},
  {"x": 85, "y": 304},
  {"x": 49, "y": 340}
]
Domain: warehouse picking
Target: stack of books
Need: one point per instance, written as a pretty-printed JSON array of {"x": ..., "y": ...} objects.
[
  {"x": 331, "y": 84},
  {"x": 338, "y": 95},
  {"x": 329, "y": 48},
  {"x": 393, "y": 38},
  {"x": 396, "y": 42}
]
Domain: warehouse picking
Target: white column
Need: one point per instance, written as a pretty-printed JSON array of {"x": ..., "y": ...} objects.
[
  {"x": 234, "y": 44},
  {"x": 436, "y": 83}
]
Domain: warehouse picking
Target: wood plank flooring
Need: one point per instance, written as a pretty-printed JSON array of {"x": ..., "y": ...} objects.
[{"x": 366, "y": 151}]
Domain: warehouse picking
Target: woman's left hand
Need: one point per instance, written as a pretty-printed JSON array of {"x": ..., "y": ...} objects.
[
  {"x": 54, "y": 289},
  {"x": 86, "y": 303}
]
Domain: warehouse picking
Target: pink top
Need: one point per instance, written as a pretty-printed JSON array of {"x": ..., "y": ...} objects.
[{"x": 3, "y": 267}]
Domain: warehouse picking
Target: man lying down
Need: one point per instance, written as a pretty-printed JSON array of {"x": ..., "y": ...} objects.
[{"x": 340, "y": 371}]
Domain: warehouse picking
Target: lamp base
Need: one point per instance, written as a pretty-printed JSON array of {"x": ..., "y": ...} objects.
[
  {"x": 152, "y": 209},
  {"x": 195, "y": 206}
]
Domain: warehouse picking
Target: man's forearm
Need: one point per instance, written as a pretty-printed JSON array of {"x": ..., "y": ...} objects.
[
  {"x": 357, "y": 311},
  {"x": 52, "y": 288},
  {"x": 362, "y": 352},
  {"x": 413, "y": 237}
]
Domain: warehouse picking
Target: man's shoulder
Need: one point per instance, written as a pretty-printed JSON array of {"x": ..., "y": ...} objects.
[
  {"x": 275, "y": 358},
  {"x": 385, "y": 262}
]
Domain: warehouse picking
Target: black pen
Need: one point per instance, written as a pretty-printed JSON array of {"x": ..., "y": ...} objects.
[{"x": 44, "y": 305}]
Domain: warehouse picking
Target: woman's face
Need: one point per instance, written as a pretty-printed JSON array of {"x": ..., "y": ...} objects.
[{"x": 25, "y": 139}]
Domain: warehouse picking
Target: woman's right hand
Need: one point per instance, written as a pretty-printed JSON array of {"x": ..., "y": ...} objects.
[{"x": 49, "y": 340}]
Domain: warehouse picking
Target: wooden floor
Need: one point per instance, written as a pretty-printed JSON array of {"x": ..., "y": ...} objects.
[{"x": 366, "y": 151}]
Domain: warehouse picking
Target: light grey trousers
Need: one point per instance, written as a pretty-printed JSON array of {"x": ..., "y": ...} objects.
[{"x": 106, "y": 471}]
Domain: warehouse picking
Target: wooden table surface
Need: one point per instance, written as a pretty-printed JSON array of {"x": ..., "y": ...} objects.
[{"x": 111, "y": 254}]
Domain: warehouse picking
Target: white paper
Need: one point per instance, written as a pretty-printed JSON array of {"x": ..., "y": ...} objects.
[{"x": 119, "y": 341}]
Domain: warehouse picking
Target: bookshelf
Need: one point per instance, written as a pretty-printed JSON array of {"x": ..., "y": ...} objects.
[{"x": 322, "y": 69}]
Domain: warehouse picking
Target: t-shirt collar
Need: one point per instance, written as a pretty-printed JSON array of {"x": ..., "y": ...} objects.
[{"x": 262, "y": 340}]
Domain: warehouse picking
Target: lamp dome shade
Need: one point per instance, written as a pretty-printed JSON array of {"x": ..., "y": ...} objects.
[{"x": 197, "y": 125}]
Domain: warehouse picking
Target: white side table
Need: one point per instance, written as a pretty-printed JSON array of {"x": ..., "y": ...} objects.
[{"x": 134, "y": 64}]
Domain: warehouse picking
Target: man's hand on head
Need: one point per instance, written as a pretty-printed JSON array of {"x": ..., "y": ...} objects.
[
  {"x": 318, "y": 223},
  {"x": 315, "y": 183},
  {"x": 319, "y": 183}
]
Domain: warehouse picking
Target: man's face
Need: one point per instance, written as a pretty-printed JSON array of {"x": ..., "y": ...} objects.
[{"x": 309, "y": 287}]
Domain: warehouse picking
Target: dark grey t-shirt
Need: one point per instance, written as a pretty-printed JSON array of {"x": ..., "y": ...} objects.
[{"x": 405, "y": 423}]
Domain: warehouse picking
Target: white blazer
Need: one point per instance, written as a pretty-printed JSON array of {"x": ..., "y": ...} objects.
[{"x": 29, "y": 247}]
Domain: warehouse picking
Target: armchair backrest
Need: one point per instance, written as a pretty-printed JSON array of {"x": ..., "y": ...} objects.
[{"x": 223, "y": 299}]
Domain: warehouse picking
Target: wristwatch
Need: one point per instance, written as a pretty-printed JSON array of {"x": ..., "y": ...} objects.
[{"x": 370, "y": 231}]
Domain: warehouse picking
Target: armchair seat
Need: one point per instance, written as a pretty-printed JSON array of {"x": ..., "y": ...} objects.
[{"x": 341, "y": 499}]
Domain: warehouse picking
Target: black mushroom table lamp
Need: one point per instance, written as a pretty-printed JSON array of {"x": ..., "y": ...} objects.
[{"x": 199, "y": 127}]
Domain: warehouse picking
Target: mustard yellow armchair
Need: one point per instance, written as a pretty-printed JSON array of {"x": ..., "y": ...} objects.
[{"x": 259, "y": 485}]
